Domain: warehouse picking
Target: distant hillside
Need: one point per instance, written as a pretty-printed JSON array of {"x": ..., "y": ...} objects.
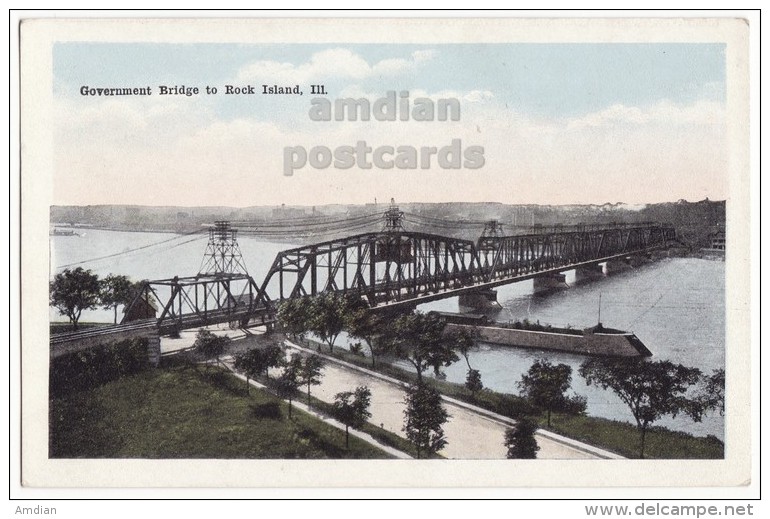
[{"x": 694, "y": 221}]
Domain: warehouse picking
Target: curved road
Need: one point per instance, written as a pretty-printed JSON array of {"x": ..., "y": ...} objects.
[{"x": 471, "y": 433}]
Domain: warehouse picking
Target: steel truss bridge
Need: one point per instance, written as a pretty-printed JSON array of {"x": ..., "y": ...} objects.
[
  {"x": 400, "y": 268},
  {"x": 390, "y": 269},
  {"x": 393, "y": 268}
]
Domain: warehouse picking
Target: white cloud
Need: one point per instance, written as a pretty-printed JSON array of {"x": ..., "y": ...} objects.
[
  {"x": 478, "y": 96},
  {"x": 471, "y": 96},
  {"x": 663, "y": 112},
  {"x": 119, "y": 153},
  {"x": 331, "y": 63}
]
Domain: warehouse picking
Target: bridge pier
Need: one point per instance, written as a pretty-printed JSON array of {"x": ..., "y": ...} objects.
[
  {"x": 153, "y": 349},
  {"x": 638, "y": 260},
  {"x": 617, "y": 265},
  {"x": 548, "y": 282},
  {"x": 479, "y": 299},
  {"x": 589, "y": 272}
]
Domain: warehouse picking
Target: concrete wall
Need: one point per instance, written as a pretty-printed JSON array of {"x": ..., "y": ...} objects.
[
  {"x": 617, "y": 345},
  {"x": 75, "y": 344}
]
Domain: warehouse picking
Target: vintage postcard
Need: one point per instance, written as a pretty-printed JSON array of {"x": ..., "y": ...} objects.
[{"x": 386, "y": 253}]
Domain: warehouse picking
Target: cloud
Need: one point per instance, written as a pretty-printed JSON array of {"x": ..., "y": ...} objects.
[
  {"x": 663, "y": 112},
  {"x": 124, "y": 152},
  {"x": 471, "y": 96},
  {"x": 478, "y": 96},
  {"x": 330, "y": 63}
]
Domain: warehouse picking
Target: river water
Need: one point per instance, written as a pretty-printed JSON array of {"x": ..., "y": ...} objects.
[{"x": 676, "y": 306}]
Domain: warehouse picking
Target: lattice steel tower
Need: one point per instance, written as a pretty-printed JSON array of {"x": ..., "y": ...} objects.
[
  {"x": 223, "y": 255},
  {"x": 393, "y": 218},
  {"x": 492, "y": 229}
]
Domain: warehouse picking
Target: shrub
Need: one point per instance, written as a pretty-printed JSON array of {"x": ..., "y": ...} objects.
[
  {"x": 269, "y": 410},
  {"x": 95, "y": 366}
]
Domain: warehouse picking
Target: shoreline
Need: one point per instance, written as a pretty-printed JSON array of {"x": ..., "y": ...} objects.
[{"x": 694, "y": 252}]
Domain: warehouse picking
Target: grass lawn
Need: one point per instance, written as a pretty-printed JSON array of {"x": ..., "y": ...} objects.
[
  {"x": 624, "y": 438},
  {"x": 183, "y": 412}
]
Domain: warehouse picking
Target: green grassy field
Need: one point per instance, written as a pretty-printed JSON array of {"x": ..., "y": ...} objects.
[
  {"x": 623, "y": 438},
  {"x": 183, "y": 412}
]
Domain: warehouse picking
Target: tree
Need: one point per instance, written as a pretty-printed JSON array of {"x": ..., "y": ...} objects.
[
  {"x": 256, "y": 361},
  {"x": 712, "y": 392},
  {"x": 271, "y": 357},
  {"x": 544, "y": 386},
  {"x": 294, "y": 315},
  {"x": 209, "y": 346},
  {"x": 419, "y": 339},
  {"x": 356, "y": 349},
  {"x": 465, "y": 339},
  {"x": 310, "y": 374},
  {"x": 366, "y": 325},
  {"x": 73, "y": 291},
  {"x": 473, "y": 381},
  {"x": 520, "y": 440},
  {"x": 424, "y": 418},
  {"x": 116, "y": 290},
  {"x": 352, "y": 409},
  {"x": 289, "y": 381},
  {"x": 329, "y": 314},
  {"x": 651, "y": 390}
]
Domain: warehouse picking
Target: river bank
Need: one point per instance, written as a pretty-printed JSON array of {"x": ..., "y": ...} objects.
[{"x": 612, "y": 435}]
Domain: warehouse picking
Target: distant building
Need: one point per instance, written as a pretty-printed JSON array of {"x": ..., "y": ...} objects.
[
  {"x": 283, "y": 212},
  {"x": 717, "y": 239},
  {"x": 141, "y": 309}
]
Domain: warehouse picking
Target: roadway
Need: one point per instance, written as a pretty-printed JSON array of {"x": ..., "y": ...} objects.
[{"x": 472, "y": 433}]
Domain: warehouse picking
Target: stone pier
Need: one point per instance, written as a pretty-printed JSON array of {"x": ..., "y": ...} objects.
[
  {"x": 589, "y": 272},
  {"x": 638, "y": 260},
  {"x": 480, "y": 299},
  {"x": 617, "y": 265},
  {"x": 548, "y": 282}
]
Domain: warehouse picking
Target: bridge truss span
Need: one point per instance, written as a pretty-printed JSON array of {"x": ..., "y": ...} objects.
[
  {"x": 390, "y": 268},
  {"x": 508, "y": 257},
  {"x": 400, "y": 268},
  {"x": 385, "y": 267},
  {"x": 201, "y": 300}
]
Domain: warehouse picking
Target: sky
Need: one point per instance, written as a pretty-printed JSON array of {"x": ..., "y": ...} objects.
[{"x": 558, "y": 123}]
